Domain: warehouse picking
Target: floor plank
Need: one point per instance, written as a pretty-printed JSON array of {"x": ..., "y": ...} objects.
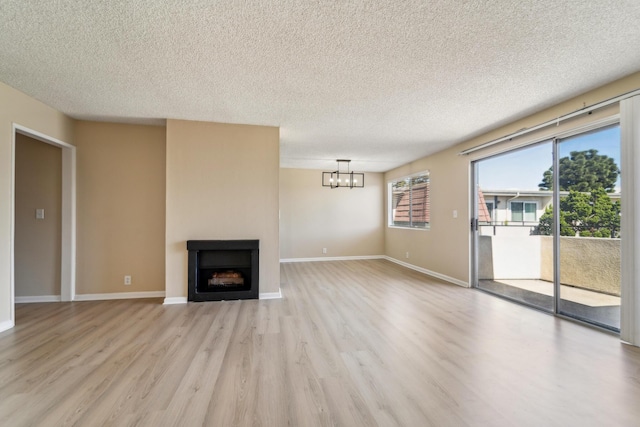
[{"x": 350, "y": 343}]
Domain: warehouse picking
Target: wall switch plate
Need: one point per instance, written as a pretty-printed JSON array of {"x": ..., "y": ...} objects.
[
  {"x": 127, "y": 280},
  {"x": 39, "y": 213},
  {"x": 455, "y": 213},
  {"x": 324, "y": 250}
]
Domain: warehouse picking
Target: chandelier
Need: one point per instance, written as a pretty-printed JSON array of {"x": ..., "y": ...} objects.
[{"x": 342, "y": 177}]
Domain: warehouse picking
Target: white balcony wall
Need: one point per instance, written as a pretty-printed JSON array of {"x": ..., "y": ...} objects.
[
  {"x": 586, "y": 262},
  {"x": 509, "y": 257}
]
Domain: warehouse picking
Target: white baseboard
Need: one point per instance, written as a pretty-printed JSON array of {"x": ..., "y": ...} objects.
[
  {"x": 174, "y": 300},
  {"x": 183, "y": 300},
  {"x": 119, "y": 295},
  {"x": 402, "y": 263},
  {"x": 40, "y": 298},
  {"x": 429, "y": 272},
  {"x": 6, "y": 325},
  {"x": 337, "y": 258},
  {"x": 271, "y": 295}
]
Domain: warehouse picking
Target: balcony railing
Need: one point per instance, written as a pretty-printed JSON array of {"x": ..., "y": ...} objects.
[{"x": 585, "y": 262}]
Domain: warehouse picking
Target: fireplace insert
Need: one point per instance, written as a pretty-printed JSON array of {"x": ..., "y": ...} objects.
[{"x": 223, "y": 269}]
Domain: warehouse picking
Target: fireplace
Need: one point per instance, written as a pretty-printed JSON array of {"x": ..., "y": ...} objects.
[{"x": 223, "y": 269}]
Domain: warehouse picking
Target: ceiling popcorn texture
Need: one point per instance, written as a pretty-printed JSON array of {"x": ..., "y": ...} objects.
[{"x": 379, "y": 82}]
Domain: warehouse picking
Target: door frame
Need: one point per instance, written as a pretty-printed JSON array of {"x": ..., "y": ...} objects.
[
  {"x": 555, "y": 141},
  {"x": 68, "y": 213}
]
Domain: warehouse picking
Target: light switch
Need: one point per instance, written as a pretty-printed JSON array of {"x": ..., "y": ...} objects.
[
  {"x": 39, "y": 213},
  {"x": 455, "y": 213}
]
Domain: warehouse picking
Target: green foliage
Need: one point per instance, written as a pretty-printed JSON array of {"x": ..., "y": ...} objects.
[
  {"x": 545, "y": 225},
  {"x": 587, "y": 211},
  {"x": 591, "y": 214},
  {"x": 583, "y": 171}
]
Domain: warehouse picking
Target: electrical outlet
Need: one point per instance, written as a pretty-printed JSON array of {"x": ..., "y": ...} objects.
[
  {"x": 406, "y": 255},
  {"x": 455, "y": 213},
  {"x": 127, "y": 280},
  {"x": 324, "y": 250}
]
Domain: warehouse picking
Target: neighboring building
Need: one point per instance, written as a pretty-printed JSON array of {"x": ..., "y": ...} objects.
[
  {"x": 411, "y": 206},
  {"x": 514, "y": 212},
  {"x": 484, "y": 215}
]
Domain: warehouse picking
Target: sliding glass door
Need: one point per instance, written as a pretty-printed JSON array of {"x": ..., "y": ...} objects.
[
  {"x": 589, "y": 223},
  {"x": 514, "y": 259},
  {"x": 565, "y": 260}
]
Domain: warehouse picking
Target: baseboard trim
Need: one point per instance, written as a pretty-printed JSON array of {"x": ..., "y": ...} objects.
[
  {"x": 263, "y": 295},
  {"x": 6, "y": 325},
  {"x": 271, "y": 295},
  {"x": 388, "y": 258},
  {"x": 119, "y": 295},
  {"x": 39, "y": 298},
  {"x": 429, "y": 272},
  {"x": 337, "y": 258},
  {"x": 174, "y": 300}
]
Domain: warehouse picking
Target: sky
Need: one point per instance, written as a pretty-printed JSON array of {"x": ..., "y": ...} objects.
[{"x": 523, "y": 169}]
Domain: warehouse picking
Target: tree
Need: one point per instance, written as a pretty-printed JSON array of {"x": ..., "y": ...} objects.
[
  {"x": 586, "y": 214},
  {"x": 584, "y": 171},
  {"x": 588, "y": 210}
]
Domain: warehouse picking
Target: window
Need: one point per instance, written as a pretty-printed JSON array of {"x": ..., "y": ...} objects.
[
  {"x": 523, "y": 211},
  {"x": 490, "y": 210},
  {"x": 409, "y": 201}
]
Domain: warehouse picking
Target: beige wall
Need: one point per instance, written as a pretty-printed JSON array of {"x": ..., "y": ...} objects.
[
  {"x": 601, "y": 255},
  {"x": 441, "y": 248},
  {"x": 38, "y": 185},
  {"x": 121, "y": 207},
  {"x": 445, "y": 248},
  {"x": 16, "y": 107},
  {"x": 348, "y": 222},
  {"x": 222, "y": 184}
]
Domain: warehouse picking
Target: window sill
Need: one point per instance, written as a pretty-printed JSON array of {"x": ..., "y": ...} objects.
[{"x": 408, "y": 228}]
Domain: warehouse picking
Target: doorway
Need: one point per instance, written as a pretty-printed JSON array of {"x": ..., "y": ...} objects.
[
  {"x": 564, "y": 261},
  {"x": 67, "y": 213},
  {"x": 37, "y": 213}
]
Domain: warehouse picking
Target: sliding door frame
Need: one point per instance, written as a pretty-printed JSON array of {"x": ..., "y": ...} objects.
[
  {"x": 556, "y": 225},
  {"x": 555, "y": 141}
]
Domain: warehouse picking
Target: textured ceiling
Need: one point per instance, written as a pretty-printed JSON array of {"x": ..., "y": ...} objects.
[{"x": 380, "y": 82}]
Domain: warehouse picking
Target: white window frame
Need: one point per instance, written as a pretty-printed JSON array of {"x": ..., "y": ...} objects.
[
  {"x": 523, "y": 201},
  {"x": 390, "y": 210}
]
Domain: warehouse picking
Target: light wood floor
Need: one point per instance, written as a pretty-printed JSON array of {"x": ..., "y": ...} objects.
[{"x": 357, "y": 343}]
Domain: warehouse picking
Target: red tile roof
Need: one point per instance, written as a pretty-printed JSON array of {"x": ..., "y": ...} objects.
[
  {"x": 418, "y": 203},
  {"x": 483, "y": 211}
]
